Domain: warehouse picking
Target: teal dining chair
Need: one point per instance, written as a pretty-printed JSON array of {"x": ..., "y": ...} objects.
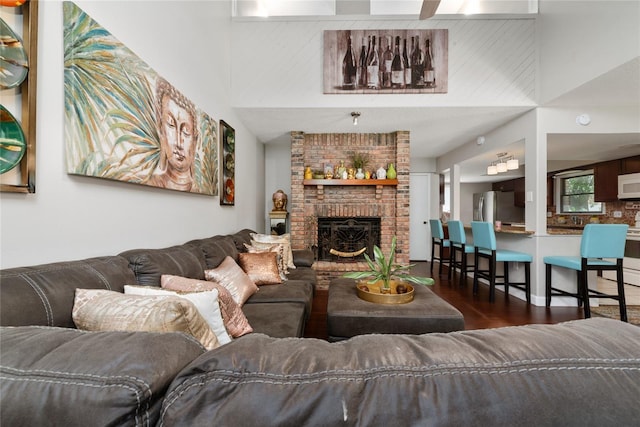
[
  {"x": 458, "y": 245},
  {"x": 438, "y": 239},
  {"x": 484, "y": 240},
  {"x": 601, "y": 248}
]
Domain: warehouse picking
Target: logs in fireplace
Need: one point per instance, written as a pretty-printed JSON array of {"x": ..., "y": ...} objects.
[{"x": 347, "y": 239}]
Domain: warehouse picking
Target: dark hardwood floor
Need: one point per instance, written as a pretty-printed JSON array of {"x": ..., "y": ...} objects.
[{"x": 478, "y": 312}]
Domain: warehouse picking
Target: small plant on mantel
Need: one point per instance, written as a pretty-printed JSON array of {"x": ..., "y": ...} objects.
[
  {"x": 384, "y": 269},
  {"x": 359, "y": 160}
]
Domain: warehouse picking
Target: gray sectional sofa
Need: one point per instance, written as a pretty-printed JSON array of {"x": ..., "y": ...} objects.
[{"x": 585, "y": 372}]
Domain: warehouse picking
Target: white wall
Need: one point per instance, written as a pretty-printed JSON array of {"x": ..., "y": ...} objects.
[
  {"x": 580, "y": 40},
  {"x": 73, "y": 217},
  {"x": 278, "y": 164}
]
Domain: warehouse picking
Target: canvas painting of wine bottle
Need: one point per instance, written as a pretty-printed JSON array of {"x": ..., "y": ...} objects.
[{"x": 386, "y": 61}]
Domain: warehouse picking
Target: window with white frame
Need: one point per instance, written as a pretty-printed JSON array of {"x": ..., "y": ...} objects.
[{"x": 576, "y": 193}]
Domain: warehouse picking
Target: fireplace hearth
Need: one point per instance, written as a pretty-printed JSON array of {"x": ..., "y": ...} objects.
[{"x": 347, "y": 239}]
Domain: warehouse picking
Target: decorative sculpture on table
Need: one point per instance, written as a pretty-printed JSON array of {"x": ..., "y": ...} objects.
[{"x": 280, "y": 200}]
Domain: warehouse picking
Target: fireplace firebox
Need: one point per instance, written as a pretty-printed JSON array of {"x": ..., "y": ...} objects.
[{"x": 347, "y": 239}]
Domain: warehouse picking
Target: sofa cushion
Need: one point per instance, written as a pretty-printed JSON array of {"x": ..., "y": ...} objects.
[
  {"x": 98, "y": 310},
  {"x": 261, "y": 267},
  {"x": 303, "y": 273},
  {"x": 303, "y": 257},
  {"x": 205, "y": 302},
  {"x": 279, "y": 320},
  {"x": 234, "y": 319},
  {"x": 43, "y": 294},
  {"x": 76, "y": 378},
  {"x": 298, "y": 291},
  {"x": 530, "y": 375},
  {"x": 242, "y": 237},
  {"x": 182, "y": 260},
  {"x": 216, "y": 249}
]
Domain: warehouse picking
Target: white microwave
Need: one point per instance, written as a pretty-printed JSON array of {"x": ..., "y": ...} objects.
[{"x": 629, "y": 186}]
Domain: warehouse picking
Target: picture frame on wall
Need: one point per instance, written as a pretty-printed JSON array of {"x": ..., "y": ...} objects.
[
  {"x": 228, "y": 164},
  {"x": 123, "y": 127},
  {"x": 389, "y": 61}
]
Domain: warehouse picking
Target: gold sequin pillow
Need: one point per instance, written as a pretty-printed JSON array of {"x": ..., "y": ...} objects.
[
  {"x": 261, "y": 267},
  {"x": 102, "y": 310},
  {"x": 278, "y": 249}
]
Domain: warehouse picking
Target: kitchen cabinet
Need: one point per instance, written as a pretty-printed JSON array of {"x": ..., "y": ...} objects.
[
  {"x": 631, "y": 165},
  {"x": 605, "y": 180},
  {"x": 508, "y": 185},
  {"x": 518, "y": 192},
  {"x": 515, "y": 185}
]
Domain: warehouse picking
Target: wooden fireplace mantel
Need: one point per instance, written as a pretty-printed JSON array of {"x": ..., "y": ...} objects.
[
  {"x": 320, "y": 184},
  {"x": 373, "y": 182}
]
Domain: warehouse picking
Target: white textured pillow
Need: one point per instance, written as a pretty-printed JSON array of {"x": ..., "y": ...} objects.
[
  {"x": 206, "y": 303},
  {"x": 102, "y": 310},
  {"x": 284, "y": 239}
]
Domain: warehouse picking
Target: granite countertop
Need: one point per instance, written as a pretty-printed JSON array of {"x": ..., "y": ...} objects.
[
  {"x": 566, "y": 231},
  {"x": 508, "y": 229}
]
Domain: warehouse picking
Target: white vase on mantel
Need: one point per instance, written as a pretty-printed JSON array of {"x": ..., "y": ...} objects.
[
  {"x": 381, "y": 173},
  {"x": 359, "y": 174}
]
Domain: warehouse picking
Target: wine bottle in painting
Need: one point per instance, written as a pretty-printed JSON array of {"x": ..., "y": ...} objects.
[
  {"x": 385, "y": 65},
  {"x": 373, "y": 66},
  {"x": 417, "y": 66},
  {"x": 429, "y": 72},
  {"x": 406, "y": 64},
  {"x": 362, "y": 65},
  {"x": 397, "y": 73},
  {"x": 349, "y": 68}
]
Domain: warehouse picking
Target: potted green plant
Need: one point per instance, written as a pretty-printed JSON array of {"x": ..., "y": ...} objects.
[
  {"x": 384, "y": 269},
  {"x": 359, "y": 160}
]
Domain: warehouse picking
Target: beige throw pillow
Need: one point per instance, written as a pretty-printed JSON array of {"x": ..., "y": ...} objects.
[
  {"x": 261, "y": 267},
  {"x": 284, "y": 239},
  {"x": 234, "y": 319},
  {"x": 234, "y": 278},
  {"x": 102, "y": 310},
  {"x": 206, "y": 303}
]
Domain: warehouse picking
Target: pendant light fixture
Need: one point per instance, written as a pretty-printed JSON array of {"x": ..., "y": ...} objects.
[
  {"x": 504, "y": 163},
  {"x": 513, "y": 164},
  {"x": 355, "y": 115}
]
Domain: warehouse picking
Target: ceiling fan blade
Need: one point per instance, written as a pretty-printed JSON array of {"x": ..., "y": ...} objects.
[{"x": 429, "y": 8}]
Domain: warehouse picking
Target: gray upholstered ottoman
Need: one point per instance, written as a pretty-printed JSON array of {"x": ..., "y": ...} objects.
[{"x": 348, "y": 315}]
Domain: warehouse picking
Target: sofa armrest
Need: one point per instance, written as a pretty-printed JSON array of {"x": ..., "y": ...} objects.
[
  {"x": 79, "y": 378},
  {"x": 303, "y": 257}
]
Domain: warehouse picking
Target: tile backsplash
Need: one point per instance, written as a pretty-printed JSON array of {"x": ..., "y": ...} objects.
[{"x": 627, "y": 214}]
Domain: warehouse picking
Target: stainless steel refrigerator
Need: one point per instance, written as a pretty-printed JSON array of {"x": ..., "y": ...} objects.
[{"x": 494, "y": 206}]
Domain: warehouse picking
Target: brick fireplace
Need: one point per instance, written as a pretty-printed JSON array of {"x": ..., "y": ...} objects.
[{"x": 389, "y": 203}]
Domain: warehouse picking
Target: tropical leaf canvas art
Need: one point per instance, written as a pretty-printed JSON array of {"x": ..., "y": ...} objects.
[{"x": 125, "y": 122}]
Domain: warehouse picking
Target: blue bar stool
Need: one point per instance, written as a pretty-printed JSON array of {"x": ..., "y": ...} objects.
[
  {"x": 598, "y": 241},
  {"x": 484, "y": 240},
  {"x": 437, "y": 239},
  {"x": 457, "y": 241}
]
